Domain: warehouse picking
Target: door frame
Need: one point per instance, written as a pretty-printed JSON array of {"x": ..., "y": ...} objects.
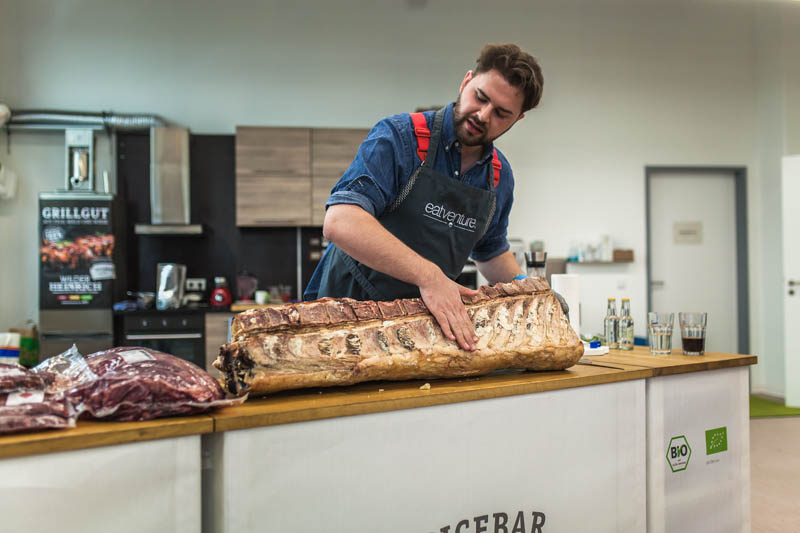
[{"x": 740, "y": 206}]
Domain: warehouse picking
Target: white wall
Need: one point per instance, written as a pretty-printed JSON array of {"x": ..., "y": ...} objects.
[
  {"x": 778, "y": 110},
  {"x": 627, "y": 84}
]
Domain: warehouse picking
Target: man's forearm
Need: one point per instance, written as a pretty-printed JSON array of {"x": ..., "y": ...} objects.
[
  {"x": 503, "y": 267},
  {"x": 361, "y": 236}
]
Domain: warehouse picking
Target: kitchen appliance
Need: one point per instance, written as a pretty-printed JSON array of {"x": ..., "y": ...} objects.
[
  {"x": 536, "y": 263},
  {"x": 221, "y": 295},
  {"x": 195, "y": 296},
  {"x": 179, "y": 333},
  {"x": 170, "y": 194},
  {"x": 170, "y": 281},
  {"x": 246, "y": 285},
  {"x": 81, "y": 270},
  {"x": 79, "y": 150}
]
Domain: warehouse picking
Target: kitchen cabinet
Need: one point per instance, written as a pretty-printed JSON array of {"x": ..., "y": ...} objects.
[
  {"x": 284, "y": 175},
  {"x": 273, "y": 176},
  {"x": 333, "y": 149},
  {"x": 216, "y": 336}
]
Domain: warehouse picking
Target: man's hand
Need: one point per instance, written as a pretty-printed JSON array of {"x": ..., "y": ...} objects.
[
  {"x": 358, "y": 234},
  {"x": 443, "y": 298}
]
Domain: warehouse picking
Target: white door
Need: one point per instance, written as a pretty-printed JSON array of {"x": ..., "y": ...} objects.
[
  {"x": 693, "y": 252},
  {"x": 791, "y": 277}
]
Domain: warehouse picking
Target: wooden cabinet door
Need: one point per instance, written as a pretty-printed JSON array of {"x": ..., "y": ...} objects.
[
  {"x": 273, "y": 152},
  {"x": 273, "y": 176},
  {"x": 216, "y": 336},
  {"x": 273, "y": 201},
  {"x": 332, "y": 149}
]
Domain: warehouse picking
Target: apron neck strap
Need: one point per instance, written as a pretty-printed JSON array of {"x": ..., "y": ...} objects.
[
  {"x": 494, "y": 170},
  {"x": 425, "y": 139}
]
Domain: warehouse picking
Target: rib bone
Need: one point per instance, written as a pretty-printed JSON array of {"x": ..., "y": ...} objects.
[{"x": 340, "y": 341}]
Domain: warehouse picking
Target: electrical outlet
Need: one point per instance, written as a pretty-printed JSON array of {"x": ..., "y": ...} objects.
[{"x": 195, "y": 284}]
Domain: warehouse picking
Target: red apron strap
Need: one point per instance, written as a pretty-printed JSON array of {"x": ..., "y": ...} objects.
[
  {"x": 497, "y": 165},
  {"x": 423, "y": 134},
  {"x": 423, "y": 143}
]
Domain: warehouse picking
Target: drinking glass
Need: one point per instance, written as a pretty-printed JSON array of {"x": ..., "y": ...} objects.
[
  {"x": 693, "y": 332},
  {"x": 659, "y": 332}
]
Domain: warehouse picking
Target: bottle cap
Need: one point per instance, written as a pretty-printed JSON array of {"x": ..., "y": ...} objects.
[
  {"x": 626, "y": 299},
  {"x": 610, "y": 299}
]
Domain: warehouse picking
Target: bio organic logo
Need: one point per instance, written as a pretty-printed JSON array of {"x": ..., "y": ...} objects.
[
  {"x": 716, "y": 440},
  {"x": 678, "y": 453}
]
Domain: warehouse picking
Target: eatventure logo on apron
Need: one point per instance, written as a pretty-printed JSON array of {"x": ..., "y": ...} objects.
[{"x": 442, "y": 214}]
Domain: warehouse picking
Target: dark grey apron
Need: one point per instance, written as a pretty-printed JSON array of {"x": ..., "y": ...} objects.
[{"x": 435, "y": 215}]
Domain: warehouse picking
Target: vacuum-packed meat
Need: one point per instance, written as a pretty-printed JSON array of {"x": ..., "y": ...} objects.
[
  {"x": 135, "y": 383},
  {"x": 32, "y": 410},
  {"x": 15, "y": 377}
]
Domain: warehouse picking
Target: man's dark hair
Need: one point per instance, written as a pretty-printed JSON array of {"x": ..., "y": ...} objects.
[{"x": 519, "y": 68}]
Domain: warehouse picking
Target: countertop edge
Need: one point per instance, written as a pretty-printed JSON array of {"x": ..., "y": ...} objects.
[
  {"x": 92, "y": 434},
  {"x": 230, "y": 422}
]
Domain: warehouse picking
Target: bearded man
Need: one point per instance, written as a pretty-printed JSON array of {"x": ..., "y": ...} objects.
[{"x": 425, "y": 192}]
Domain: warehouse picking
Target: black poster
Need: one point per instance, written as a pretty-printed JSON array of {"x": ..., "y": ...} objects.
[{"x": 76, "y": 253}]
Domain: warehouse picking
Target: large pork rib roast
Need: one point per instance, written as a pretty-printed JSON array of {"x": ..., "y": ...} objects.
[{"x": 340, "y": 341}]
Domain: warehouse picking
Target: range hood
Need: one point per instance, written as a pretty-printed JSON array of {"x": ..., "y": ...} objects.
[{"x": 170, "y": 203}]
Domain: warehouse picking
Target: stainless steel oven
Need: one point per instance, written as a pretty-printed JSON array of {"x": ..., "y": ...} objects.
[{"x": 181, "y": 334}]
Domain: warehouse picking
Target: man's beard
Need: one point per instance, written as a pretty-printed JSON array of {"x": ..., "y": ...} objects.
[{"x": 462, "y": 134}]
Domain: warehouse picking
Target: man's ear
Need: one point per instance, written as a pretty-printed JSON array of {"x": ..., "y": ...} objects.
[
  {"x": 469, "y": 75},
  {"x": 520, "y": 117}
]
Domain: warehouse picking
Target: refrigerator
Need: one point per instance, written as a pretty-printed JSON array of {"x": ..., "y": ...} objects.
[{"x": 81, "y": 270}]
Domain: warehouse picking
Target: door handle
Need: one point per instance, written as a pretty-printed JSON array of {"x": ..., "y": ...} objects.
[
  {"x": 792, "y": 284},
  {"x": 656, "y": 284}
]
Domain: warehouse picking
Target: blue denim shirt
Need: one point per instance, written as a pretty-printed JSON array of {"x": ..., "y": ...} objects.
[{"x": 384, "y": 163}]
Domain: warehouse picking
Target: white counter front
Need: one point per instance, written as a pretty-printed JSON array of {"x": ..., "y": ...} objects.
[
  {"x": 126, "y": 488},
  {"x": 561, "y": 460}
]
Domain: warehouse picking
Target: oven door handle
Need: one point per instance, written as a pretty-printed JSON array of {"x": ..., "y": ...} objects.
[{"x": 164, "y": 336}]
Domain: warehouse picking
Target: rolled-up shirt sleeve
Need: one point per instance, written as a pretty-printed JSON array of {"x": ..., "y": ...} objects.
[{"x": 374, "y": 176}]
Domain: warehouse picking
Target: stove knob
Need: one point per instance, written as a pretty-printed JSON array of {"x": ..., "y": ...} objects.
[
  {"x": 145, "y": 322},
  {"x": 164, "y": 322}
]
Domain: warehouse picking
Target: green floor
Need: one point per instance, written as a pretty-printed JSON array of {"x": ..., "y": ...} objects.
[{"x": 759, "y": 407}]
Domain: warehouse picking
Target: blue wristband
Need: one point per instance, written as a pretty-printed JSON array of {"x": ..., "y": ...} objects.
[{"x": 521, "y": 276}]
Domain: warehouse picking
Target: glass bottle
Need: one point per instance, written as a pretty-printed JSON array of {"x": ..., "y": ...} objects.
[
  {"x": 625, "y": 336},
  {"x": 611, "y": 323}
]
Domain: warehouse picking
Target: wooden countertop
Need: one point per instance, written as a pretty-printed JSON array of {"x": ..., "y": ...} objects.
[
  {"x": 89, "y": 434},
  {"x": 374, "y": 397},
  {"x": 676, "y": 362}
]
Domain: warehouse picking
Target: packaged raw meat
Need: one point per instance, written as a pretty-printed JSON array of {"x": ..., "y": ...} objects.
[
  {"x": 15, "y": 377},
  {"x": 34, "y": 410},
  {"x": 64, "y": 371},
  {"x": 135, "y": 383}
]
